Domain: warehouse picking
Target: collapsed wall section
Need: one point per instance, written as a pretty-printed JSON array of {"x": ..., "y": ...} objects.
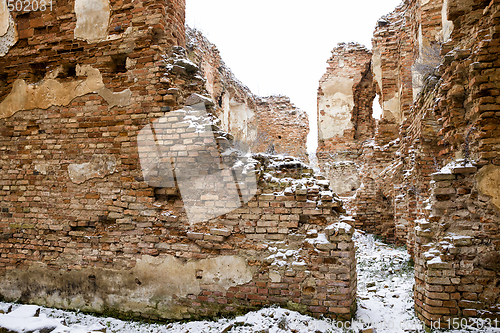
[
  {"x": 264, "y": 124},
  {"x": 345, "y": 98},
  {"x": 403, "y": 152}
]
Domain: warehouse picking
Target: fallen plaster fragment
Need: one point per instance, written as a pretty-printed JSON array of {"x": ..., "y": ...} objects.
[
  {"x": 115, "y": 99},
  {"x": 99, "y": 167},
  {"x": 50, "y": 92},
  {"x": 92, "y": 20}
]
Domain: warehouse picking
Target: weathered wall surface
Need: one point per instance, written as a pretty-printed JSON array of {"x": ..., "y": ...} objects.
[
  {"x": 464, "y": 213},
  {"x": 8, "y": 29},
  {"x": 109, "y": 190},
  {"x": 264, "y": 124},
  {"x": 431, "y": 171},
  {"x": 282, "y": 127},
  {"x": 445, "y": 218},
  {"x": 391, "y": 67},
  {"x": 236, "y": 105},
  {"x": 345, "y": 99},
  {"x": 345, "y": 95}
]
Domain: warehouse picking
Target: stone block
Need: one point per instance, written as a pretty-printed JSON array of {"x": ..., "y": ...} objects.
[
  {"x": 220, "y": 232},
  {"x": 464, "y": 170},
  {"x": 213, "y": 238},
  {"x": 195, "y": 235},
  {"x": 443, "y": 176}
]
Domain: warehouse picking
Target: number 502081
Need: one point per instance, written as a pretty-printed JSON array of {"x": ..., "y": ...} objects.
[{"x": 29, "y": 5}]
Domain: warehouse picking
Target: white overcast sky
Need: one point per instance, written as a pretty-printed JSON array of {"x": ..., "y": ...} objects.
[{"x": 281, "y": 46}]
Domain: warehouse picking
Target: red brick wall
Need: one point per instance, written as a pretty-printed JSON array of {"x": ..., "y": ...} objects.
[
  {"x": 272, "y": 123},
  {"x": 448, "y": 219},
  {"x": 78, "y": 212},
  {"x": 464, "y": 107},
  {"x": 353, "y": 62}
]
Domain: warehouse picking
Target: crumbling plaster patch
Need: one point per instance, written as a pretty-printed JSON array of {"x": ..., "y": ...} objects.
[
  {"x": 237, "y": 118},
  {"x": 417, "y": 77},
  {"x": 50, "y": 92},
  {"x": 149, "y": 287},
  {"x": 240, "y": 119},
  {"x": 169, "y": 276},
  {"x": 344, "y": 177},
  {"x": 335, "y": 107},
  {"x": 226, "y": 110},
  {"x": 41, "y": 168},
  {"x": 488, "y": 179},
  {"x": 115, "y": 99},
  {"x": 99, "y": 167},
  {"x": 208, "y": 70},
  {"x": 392, "y": 109},
  {"x": 92, "y": 20},
  {"x": 417, "y": 80},
  {"x": 8, "y": 30}
]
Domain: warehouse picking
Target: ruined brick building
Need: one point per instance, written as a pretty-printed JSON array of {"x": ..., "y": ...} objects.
[
  {"x": 426, "y": 174},
  {"x": 125, "y": 187},
  {"x": 122, "y": 190}
]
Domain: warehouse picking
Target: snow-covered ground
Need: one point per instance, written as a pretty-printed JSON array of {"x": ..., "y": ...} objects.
[
  {"x": 385, "y": 304},
  {"x": 385, "y": 286}
]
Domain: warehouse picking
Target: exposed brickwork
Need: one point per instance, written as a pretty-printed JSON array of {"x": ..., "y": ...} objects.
[
  {"x": 456, "y": 263},
  {"x": 46, "y": 41},
  {"x": 318, "y": 279},
  {"x": 86, "y": 205},
  {"x": 265, "y": 124},
  {"x": 435, "y": 71},
  {"x": 345, "y": 122},
  {"x": 468, "y": 128},
  {"x": 282, "y": 127},
  {"x": 373, "y": 209}
]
